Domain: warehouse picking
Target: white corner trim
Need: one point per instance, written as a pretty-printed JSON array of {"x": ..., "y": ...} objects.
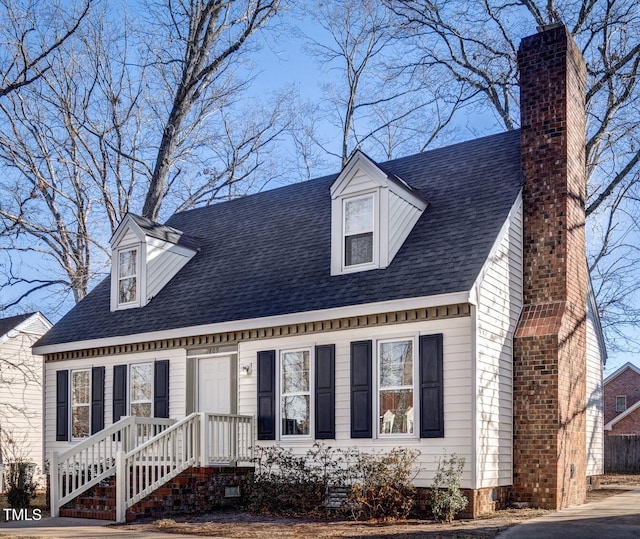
[
  {"x": 628, "y": 411},
  {"x": 268, "y": 321},
  {"x": 504, "y": 230}
]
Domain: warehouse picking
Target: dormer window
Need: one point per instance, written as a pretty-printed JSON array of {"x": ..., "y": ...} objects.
[
  {"x": 127, "y": 276},
  {"x": 372, "y": 214},
  {"x": 146, "y": 256},
  {"x": 358, "y": 230}
]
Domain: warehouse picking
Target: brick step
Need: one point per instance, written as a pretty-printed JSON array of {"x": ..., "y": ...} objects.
[
  {"x": 103, "y": 492},
  {"x": 94, "y": 502},
  {"x": 75, "y": 512}
]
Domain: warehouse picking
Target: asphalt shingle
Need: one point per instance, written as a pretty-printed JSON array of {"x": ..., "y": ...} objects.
[{"x": 269, "y": 253}]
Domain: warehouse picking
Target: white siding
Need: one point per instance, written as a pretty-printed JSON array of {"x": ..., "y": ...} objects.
[
  {"x": 457, "y": 389},
  {"x": 595, "y": 402},
  {"x": 21, "y": 396},
  {"x": 499, "y": 297},
  {"x": 402, "y": 217},
  {"x": 163, "y": 263},
  {"x": 129, "y": 238},
  {"x": 358, "y": 183},
  {"x": 177, "y": 384}
]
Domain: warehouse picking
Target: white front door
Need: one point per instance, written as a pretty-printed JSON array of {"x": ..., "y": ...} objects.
[{"x": 214, "y": 385}]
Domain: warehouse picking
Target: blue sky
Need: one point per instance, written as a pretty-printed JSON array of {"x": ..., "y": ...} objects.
[{"x": 284, "y": 62}]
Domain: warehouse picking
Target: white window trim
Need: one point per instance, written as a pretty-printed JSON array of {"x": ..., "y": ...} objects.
[
  {"x": 625, "y": 403},
  {"x": 375, "y": 263},
  {"x": 294, "y": 437},
  {"x": 71, "y": 406},
  {"x": 415, "y": 435},
  {"x": 130, "y": 386},
  {"x": 137, "y": 301},
  {"x": 375, "y": 227}
]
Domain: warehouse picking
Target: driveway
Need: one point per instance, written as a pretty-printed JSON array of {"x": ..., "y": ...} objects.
[{"x": 616, "y": 517}]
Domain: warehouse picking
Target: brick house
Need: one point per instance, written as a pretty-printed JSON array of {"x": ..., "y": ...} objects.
[
  {"x": 439, "y": 301},
  {"x": 622, "y": 401}
]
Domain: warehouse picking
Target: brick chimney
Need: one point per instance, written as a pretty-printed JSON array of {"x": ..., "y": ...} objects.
[{"x": 550, "y": 341}]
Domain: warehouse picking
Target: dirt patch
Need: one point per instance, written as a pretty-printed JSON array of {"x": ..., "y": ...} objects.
[
  {"x": 620, "y": 479},
  {"x": 239, "y": 524}
]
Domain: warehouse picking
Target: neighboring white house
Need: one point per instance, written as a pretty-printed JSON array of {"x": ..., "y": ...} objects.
[
  {"x": 21, "y": 390},
  {"x": 391, "y": 305}
]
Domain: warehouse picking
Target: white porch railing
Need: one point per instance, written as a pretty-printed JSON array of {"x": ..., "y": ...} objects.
[
  {"x": 76, "y": 470},
  {"x": 198, "y": 439},
  {"x": 226, "y": 438},
  {"x": 144, "y": 469}
]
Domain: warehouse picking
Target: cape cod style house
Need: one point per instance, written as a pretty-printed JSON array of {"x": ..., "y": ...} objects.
[
  {"x": 21, "y": 438},
  {"x": 439, "y": 301}
]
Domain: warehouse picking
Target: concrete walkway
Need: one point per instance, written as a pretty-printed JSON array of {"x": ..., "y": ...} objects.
[
  {"x": 616, "y": 517},
  {"x": 75, "y": 528}
]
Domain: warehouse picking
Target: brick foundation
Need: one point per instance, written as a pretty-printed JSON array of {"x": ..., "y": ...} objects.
[
  {"x": 481, "y": 501},
  {"x": 196, "y": 490},
  {"x": 550, "y": 341}
]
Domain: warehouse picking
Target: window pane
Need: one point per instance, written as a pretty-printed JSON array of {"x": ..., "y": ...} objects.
[
  {"x": 396, "y": 411},
  {"x": 127, "y": 290},
  {"x": 358, "y": 216},
  {"x": 80, "y": 421},
  {"x": 396, "y": 364},
  {"x": 141, "y": 388},
  {"x": 142, "y": 409},
  {"x": 295, "y": 415},
  {"x": 295, "y": 372},
  {"x": 358, "y": 249},
  {"x": 127, "y": 263},
  {"x": 80, "y": 387}
]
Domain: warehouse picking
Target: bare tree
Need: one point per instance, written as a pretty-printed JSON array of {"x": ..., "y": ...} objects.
[
  {"x": 476, "y": 44},
  {"x": 78, "y": 145},
  {"x": 30, "y": 32},
  {"x": 371, "y": 102},
  {"x": 207, "y": 37}
]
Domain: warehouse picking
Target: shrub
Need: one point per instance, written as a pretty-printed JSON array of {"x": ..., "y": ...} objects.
[
  {"x": 446, "y": 498},
  {"x": 382, "y": 488},
  {"x": 284, "y": 483},
  {"x": 376, "y": 486},
  {"x": 21, "y": 488}
]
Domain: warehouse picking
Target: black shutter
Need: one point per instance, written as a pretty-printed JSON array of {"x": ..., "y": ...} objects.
[
  {"x": 361, "y": 394},
  {"x": 97, "y": 399},
  {"x": 267, "y": 395},
  {"x": 431, "y": 387},
  {"x": 62, "y": 406},
  {"x": 161, "y": 388},
  {"x": 325, "y": 392},
  {"x": 119, "y": 391}
]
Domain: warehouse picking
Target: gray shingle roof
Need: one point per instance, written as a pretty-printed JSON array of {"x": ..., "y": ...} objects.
[
  {"x": 269, "y": 253},
  {"x": 7, "y": 324}
]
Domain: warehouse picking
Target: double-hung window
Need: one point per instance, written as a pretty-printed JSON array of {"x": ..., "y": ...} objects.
[
  {"x": 621, "y": 403},
  {"x": 395, "y": 373},
  {"x": 80, "y": 403},
  {"x": 141, "y": 389},
  {"x": 295, "y": 393},
  {"x": 127, "y": 276},
  {"x": 358, "y": 231}
]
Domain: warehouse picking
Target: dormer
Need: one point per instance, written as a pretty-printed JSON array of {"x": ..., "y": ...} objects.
[
  {"x": 145, "y": 257},
  {"x": 372, "y": 213}
]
